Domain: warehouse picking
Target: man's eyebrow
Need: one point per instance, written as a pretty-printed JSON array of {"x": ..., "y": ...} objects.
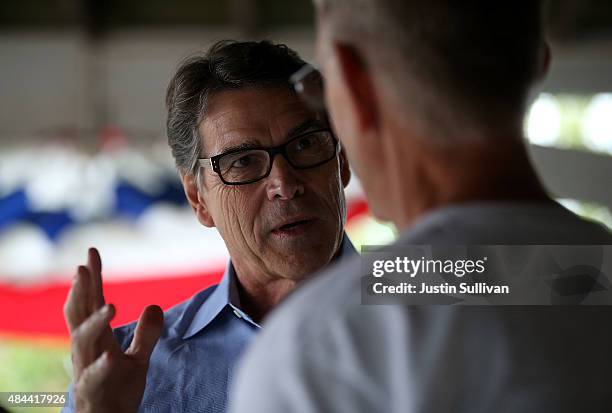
[
  {"x": 247, "y": 144},
  {"x": 311, "y": 123}
]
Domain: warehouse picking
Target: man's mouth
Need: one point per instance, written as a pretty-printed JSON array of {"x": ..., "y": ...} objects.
[{"x": 293, "y": 227}]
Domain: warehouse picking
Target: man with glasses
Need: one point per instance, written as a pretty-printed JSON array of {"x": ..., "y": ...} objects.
[{"x": 269, "y": 174}]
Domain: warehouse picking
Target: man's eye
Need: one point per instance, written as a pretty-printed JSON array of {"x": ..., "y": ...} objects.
[
  {"x": 243, "y": 161},
  {"x": 305, "y": 143}
]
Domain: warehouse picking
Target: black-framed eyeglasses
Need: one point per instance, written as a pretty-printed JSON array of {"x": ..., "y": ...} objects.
[
  {"x": 245, "y": 166},
  {"x": 309, "y": 85}
]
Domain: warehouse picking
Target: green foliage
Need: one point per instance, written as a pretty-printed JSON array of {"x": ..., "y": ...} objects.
[{"x": 32, "y": 366}]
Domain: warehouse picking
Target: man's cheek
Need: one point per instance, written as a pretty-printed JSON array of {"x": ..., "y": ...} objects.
[
  {"x": 225, "y": 207},
  {"x": 241, "y": 212}
]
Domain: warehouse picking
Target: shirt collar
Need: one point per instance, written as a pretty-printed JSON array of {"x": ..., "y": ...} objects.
[{"x": 226, "y": 293}]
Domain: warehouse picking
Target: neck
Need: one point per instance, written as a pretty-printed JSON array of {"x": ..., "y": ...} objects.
[
  {"x": 429, "y": 176},
  {"x": 260, "y": 294},
  {"x": 260, "y": 291}
]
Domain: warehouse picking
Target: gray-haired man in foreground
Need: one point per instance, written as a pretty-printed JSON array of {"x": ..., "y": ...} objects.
[{"x": 428, "y": 97}]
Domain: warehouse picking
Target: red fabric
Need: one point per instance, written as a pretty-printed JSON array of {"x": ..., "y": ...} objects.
[
  {"x": 37, "y": 310},
  {"x": 357, "y": 209}
]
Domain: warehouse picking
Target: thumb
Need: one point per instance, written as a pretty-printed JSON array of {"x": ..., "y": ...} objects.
[{"x": 148, "y": 329}]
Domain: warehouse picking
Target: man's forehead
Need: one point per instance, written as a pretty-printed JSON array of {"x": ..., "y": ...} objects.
[{"x": 250, "y": 113}]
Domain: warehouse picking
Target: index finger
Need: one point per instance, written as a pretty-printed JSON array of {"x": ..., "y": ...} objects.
[{"x": 94, "y": 263}]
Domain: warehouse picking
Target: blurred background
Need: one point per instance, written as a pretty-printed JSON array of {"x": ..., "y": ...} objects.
[{"x": 84, "y": 160}]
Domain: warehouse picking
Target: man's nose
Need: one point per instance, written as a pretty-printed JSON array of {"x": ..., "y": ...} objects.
[{"x": 284, "y": 181}]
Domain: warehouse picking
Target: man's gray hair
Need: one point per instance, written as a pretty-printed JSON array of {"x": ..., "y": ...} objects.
[{"x": 481, "y": 56}]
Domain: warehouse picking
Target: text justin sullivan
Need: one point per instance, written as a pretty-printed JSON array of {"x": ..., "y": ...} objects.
[{"x": 445, "y": 288}]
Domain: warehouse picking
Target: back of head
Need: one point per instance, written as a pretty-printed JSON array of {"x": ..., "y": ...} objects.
[
  {"x": 468, "y": 61},
  {"x": 227, "y": 65}
]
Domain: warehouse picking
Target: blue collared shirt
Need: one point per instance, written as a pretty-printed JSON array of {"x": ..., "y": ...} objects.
[{"x": 193, "y": 362}]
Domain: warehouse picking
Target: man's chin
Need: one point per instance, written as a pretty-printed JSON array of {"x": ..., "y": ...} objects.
[{"x": 301, "y": 260}]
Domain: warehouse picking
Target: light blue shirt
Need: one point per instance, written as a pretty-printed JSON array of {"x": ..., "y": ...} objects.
[{"x": 193, "y": 362}]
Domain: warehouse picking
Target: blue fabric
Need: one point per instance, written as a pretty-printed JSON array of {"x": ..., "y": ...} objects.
[
  {"x": 52, "y": 223},
  {"x": 130, "y": 202},
  {"x": 193, "y": 362},
  {"x": 13, "y": 208},
  {"x": 133, "y": 202}
]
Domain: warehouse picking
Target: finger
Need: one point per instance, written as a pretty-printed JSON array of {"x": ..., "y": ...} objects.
[
  {"x": 85, "y": 339},
  {"x": 70, "y": 315},
  {"x": 77, "y": 306},
  {"x": 91, "y": 329},
  {"x": 149, "y": 328},
  {"x": 89, "y": 384},
  {"x": 94, "y": 263}
]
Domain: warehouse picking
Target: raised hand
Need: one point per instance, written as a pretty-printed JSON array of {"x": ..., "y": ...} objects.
[{"x": 105, "y": 377}]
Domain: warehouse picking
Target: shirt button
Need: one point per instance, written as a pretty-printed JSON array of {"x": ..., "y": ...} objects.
[{"x": 237, "y": 313}]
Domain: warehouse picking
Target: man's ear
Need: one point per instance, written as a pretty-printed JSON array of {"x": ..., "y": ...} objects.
[
  {"x": 345, "y": 169},
  {"x": 360, "y": 85},
  {"x": 196, "y": 201}
]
